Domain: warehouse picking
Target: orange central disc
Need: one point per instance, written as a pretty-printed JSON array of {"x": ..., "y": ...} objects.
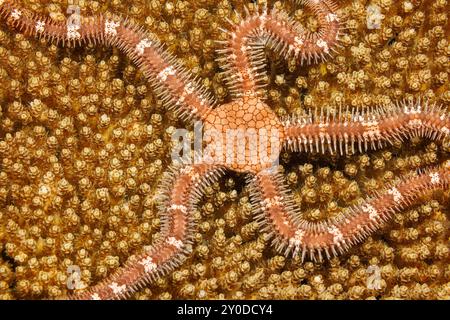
[{"x": 245, "y": 135}]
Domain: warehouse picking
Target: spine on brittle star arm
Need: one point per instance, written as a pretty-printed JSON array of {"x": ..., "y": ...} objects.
[
  {"x": 243, "y": 58},
  {"x": 295, "y": 236},
  {"x": 270, "y": 197},
  {"x": 346, "y": 131},
  {"x": 178, "y": 90},
  {"x": 180, "y": 193}
]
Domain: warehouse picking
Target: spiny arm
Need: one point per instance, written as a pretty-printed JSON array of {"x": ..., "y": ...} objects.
[
  {"x": 363, "y": 130},
  {"x": 275, "y": 208},
  {"x": 180, "y": 192},
  {"x": 294, "y": 235},
  {"x": 243, "y": 58},
  {"x": 173, "y": 83}
]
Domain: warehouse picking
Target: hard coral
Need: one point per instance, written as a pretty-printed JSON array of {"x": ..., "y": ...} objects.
[{"x": 84, "y": 142}]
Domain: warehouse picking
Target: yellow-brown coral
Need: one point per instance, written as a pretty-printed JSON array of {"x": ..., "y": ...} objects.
[{"x": 99, "y": 141}]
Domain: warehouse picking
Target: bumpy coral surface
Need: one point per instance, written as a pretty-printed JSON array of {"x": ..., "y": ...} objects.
[{"x": 84, "y": 142}]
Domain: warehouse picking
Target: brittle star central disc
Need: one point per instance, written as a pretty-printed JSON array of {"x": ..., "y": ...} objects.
[{"x": 245, "y": 134}]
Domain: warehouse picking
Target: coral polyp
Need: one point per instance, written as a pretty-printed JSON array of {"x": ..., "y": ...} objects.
[{"x": 269, "y": 136}]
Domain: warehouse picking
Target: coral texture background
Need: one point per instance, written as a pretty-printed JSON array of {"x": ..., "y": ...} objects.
[{"x": 84, "y": 143}]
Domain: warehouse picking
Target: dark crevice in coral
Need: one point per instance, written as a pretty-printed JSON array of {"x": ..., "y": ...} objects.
[
  {"x": 13, "y": 264},
  {"x": 392, "y": 40},
  {"x": 8, "y": 259}
]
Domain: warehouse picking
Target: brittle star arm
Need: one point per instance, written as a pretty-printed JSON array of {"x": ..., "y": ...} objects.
[
  {"x": 243, "y": 58},
  {"x": 180, "y": 192},
  {"x": 345, "y": 132},
  {"x": 294, "y": 235},
  {"x": 173, "y": 83}
]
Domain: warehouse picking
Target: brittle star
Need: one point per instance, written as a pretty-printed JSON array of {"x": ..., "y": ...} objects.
[{"x": 243, "y": 61}]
